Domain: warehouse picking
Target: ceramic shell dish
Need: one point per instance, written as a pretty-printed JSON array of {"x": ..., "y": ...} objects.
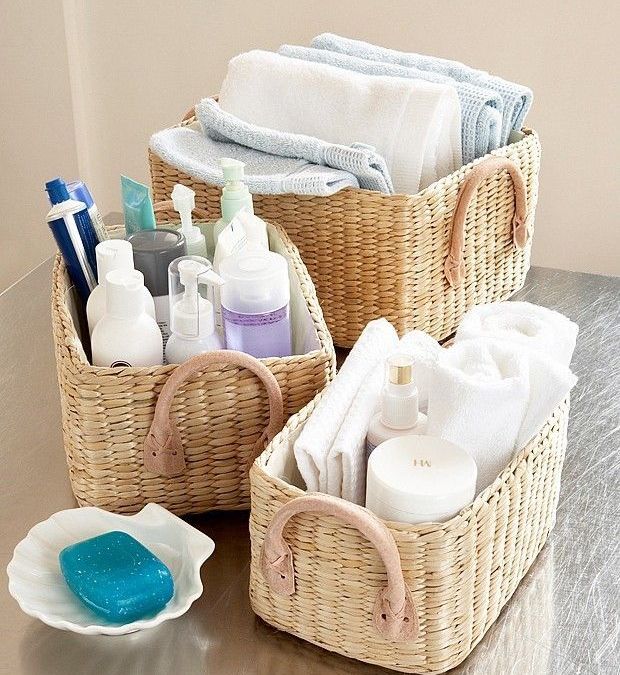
[{"x": 36, "y": 582}]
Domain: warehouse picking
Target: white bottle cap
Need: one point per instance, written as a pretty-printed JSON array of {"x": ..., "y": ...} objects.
[
  {"x": 124, "y": 293},
  {"x": 399, "y": 404},
  {"x": 191, "y": 315},
  {"x": 419, "y": 479},
  {"x": 256, "y": 279},
  {"x": 113, "y": 254}
]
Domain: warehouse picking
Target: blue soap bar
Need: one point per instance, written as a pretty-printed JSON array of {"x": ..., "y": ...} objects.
[{"x": 117, "y": 577}]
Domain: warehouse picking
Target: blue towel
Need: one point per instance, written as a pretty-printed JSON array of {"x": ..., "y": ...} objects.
[
  {"x": 481, "y": 109},
  {"x": 517, "y": 99},
  {"x": 359, "y": 159},
  {"x": 189, "y": 150}
]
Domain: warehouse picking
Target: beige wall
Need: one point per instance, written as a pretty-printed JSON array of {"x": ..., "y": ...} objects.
[{"x": 136, "y": 67}]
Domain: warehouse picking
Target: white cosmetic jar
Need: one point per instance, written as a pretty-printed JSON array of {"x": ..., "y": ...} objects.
[{"x": 419, "y": 479}]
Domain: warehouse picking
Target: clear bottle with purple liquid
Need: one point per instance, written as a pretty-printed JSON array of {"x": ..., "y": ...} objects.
[{"x": 255, "y": 302}]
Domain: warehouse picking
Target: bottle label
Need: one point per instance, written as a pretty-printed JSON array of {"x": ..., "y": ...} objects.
[{"x": 265, "y": 319}]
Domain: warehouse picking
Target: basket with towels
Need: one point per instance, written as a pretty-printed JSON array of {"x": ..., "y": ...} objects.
[
  {"x": 407, "y": 182},
  {"x": 182, "y": 436},
  {"x": 416, "y": 598}
]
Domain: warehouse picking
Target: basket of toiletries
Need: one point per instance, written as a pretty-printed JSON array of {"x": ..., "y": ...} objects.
[
  {"x": 407, "y": 501},
  {"x": 410, "y": 196},
  {"x": 173, "y": 377}
]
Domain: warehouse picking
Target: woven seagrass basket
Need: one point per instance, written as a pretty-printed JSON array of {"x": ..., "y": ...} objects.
[
  {"x": 414, "y": 598},
  {"x": 374, "y": 255},
  {"x": 182, "y": 436}
]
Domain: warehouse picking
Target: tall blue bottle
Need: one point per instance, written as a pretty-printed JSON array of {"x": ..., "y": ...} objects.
[{"x": 58, "y": 193}]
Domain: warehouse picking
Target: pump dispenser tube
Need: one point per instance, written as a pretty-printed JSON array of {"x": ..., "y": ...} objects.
[{"x": 184, "y": 200}]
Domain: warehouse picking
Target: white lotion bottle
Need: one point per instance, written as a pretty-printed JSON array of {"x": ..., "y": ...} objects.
[
  {"x": 192, "y": 317},
  {"x": 112, "y": 254},
  {"x": 184, "y": 200},
  {"x": 126, "y": 335},
  {"x": 399, "y": 414}
]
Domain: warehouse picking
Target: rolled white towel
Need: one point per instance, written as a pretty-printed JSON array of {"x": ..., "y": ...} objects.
[
  {"x": 316, "y": 438},
  {"x": 491, "y": 397},
  {"x": 415, "y": 125},
  {"x": 523, "y": 323}
]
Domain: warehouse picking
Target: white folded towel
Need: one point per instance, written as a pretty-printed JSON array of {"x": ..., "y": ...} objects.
[
  {"x": 346, "y": 461},
  {"x": 415, "y": 125},
  {"x": 316, "y": 438},
  {"x": 491, "y": 397},
  {"x": 523, "y": 323}
]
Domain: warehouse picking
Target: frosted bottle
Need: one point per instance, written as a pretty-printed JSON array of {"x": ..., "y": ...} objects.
[
  {"x": 255, "y": 301},
  {"x": 126, "y": 335},
  {"x": 399, "y": 414}
]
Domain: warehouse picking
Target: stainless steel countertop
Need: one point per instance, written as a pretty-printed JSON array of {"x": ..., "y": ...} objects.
[{"x": 563, "y": 619}]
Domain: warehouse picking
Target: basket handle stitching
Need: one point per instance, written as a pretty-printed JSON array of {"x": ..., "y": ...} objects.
[
  {"x": 163, "y": 449},
  {"x": 454, "y": 268},
  {"x": 394, "y": 614}
]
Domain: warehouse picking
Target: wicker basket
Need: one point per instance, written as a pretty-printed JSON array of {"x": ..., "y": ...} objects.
[
  {"x": 418, "y": 598},
  {"x": 372, "y": 255},
  {"x": 222, "y": 408}
]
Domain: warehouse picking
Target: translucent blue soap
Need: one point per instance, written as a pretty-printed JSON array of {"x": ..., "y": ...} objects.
[{"x": 117, "y": 577}]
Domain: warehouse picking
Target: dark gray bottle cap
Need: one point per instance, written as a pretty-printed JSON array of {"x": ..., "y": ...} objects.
[{"x": 153, "y": 251}]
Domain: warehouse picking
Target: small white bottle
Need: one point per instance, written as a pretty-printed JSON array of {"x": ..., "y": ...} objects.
[
  {"x": 126, "y": 335},
  {"x": 192, "y": 317},
  {"x": 112, "y": 254},
  {"x": 184, "y": 200},
  {"x": 399, "y": 414}
]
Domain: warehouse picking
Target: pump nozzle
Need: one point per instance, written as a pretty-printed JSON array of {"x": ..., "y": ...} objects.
[
  {"x": 232, "y": 169},
  {"x": 235, "y": 194},
  {"x": 192, "y": 315},
  {"x": 184, "y": 200}
]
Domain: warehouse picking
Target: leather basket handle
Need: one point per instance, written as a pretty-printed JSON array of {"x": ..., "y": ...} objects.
[
  {"x": 454, "y": 267},
  {"x": 168, "y": 205},
  {"x": 163, "y": 449},
  {"x": 394, "y": 613}
]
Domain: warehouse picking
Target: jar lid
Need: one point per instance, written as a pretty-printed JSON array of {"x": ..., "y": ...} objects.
[{"x": 422, "y": 474}]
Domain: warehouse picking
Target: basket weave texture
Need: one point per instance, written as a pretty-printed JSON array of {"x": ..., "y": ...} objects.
[
  {"x": 374, "y": 255},
  {"x": 460, "y": 573},
  {"x": 221, "y": 415}
]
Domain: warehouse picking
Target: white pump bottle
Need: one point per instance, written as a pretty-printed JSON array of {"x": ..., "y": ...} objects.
[
  {"x": 192, "y": 319},
  {"x": 184, "y": 200},
  {"x": 112, "y": 254}
]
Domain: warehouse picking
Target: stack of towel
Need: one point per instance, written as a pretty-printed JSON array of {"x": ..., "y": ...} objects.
[
  {"x": 489, "y": 393},
  {"x": 344, "y": 113}
]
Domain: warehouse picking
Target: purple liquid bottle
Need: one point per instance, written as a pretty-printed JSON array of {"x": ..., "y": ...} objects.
[{"x": 255, "y": 302}]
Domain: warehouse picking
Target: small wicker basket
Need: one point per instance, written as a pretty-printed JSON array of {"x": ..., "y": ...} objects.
[
  {"x": 414, "y": 598},
  {"x": 218, "y": 407},
  {"x": 374, "y": 255}
]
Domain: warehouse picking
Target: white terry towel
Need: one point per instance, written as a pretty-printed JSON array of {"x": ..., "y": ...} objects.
[
  {"x": 490, "y": 398},
  {"x": 316, "y": 438},
  {"x": 415, "y": 125},
  {"x": 346, "y": 461},
  {"x": 523, "y": 323}
]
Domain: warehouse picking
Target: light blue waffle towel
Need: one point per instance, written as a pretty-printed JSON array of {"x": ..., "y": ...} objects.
[{"x": 358, "y": 159}]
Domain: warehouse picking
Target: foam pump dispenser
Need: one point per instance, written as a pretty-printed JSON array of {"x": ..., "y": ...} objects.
[
  {"x": 184, "y": 200},
  {"x": 192, "y": 317}
]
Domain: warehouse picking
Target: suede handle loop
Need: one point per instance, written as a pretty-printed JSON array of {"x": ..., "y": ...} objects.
[
  {"x": 394, "y": 612},
  {"x": 168, "y": 205},
  {"x": 454, "y": 267},
  {"x": 163, "y": 449}
]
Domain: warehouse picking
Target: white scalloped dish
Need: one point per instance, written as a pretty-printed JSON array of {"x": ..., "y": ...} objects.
[{"x": 36, "y": 582}]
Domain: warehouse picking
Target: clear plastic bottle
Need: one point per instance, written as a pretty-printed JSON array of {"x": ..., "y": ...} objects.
[
  {"x": 192, "y": 320},
  {"x": 399, "y": 414}
]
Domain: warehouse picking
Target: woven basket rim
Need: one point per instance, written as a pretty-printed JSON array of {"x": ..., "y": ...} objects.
[
  {"x": 457, "y": 522},
  {"x": 438, "y": 185},
  {"x": 80, "y": 365}
]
